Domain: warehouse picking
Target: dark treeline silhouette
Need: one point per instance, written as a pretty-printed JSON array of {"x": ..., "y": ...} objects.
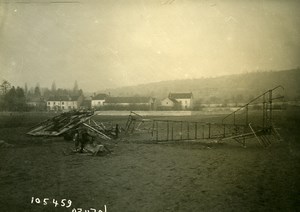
[
  {"x": 37, "y": 91},
  {"x": 12, "y": 99},
  {"x": 25, "y": 99}
]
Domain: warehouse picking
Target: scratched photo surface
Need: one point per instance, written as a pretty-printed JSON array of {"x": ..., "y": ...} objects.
[{"x": 186, "y": 105}]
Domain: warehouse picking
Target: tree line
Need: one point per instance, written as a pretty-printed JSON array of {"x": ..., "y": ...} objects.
[
  {"x": 12, "y": 99},
  {"x": 16, "y": 98}
]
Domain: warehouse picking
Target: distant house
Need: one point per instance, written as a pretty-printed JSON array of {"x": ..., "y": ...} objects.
[
  {"x": 36, "y": 103},
  {"x": 169, "y": 103},
  {"x": 64, "y": 103},
  {"x": 98, "y": 100},
  {"x": 130, "y": 103},
  {"x": 184, "y": 99}
]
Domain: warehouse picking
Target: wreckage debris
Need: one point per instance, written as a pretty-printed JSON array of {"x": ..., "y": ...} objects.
[
  {"x": 135, "y": 122},
  {"x": 70, "y": 124},
  {"x": 60, "y": 124},
  {"x": 66, "y": 124}
]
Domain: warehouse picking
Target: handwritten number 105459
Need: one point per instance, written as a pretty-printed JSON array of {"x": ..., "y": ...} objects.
[{"x": 46, "y": 201}]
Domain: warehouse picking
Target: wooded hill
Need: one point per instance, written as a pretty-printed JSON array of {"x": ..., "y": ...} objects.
[{"x": 229, "y": 88}]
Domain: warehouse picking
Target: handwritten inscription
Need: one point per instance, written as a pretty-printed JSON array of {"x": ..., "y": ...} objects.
[
  {"x": 89, "y": 210},
  {"x": 67, "y": 203},
  {"x": 47, "y": 201}
]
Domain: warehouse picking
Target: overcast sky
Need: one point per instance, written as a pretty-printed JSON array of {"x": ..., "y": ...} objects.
[{"x": 106, "y": 44}]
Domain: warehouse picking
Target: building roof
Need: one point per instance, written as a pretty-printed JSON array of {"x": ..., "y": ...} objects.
[
  {"x": 100, "y": 96},
  {"x": 180, "y": 95},
  {"x": 63, "y": 98},
  {"x": 132, "y": 100},
  {"x": 171, "y": 99}
]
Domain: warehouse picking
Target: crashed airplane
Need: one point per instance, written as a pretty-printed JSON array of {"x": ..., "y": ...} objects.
[{"x": 65, "y": 123}]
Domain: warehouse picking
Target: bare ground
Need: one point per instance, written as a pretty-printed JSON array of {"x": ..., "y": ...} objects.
[
  {"x": 141, "y": 176},
  {"x": 150, "y": 177}
]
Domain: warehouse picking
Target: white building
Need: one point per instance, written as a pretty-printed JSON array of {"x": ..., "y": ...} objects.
[
  {"x": 169, "y": 103},
  {"x": 184, "y": 99},
  {"x": 64, "y": 103},
  {"x": 98, "y": 100}
]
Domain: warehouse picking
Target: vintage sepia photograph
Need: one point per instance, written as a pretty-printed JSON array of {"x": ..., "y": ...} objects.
[{"x": 149, "y": 105}]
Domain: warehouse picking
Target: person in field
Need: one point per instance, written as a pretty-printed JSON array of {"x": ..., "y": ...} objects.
[{"x": 85, "y": 142}]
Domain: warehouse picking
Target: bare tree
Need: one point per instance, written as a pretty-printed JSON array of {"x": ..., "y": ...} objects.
[
  {"x": 75, "y": 88},
  {"x": 5, "y": 87},
  {"x": 25, "y": 89},
  {"x": 53, "y": 87},
  {"x": 37, "y": 91}
]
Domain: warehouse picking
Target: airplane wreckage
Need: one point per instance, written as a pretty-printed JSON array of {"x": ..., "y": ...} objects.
[
  {"x": 239, "y": 125},
  {"x": 74, "y": 125},
  {"x": 79, "y": 127},
  {"x": 66, "y": 122}
]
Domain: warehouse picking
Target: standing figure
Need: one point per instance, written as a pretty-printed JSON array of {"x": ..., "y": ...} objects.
[
  {"x": 117, "y": 130},
  {"x": 80, "y": 138},
  {"x": 84, "y": 142}
]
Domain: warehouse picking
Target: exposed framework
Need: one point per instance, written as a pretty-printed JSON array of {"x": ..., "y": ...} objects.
[
  {"x": 60, "y": 124},
  {"x": 65, "y": 123},
  {"x": 136, "y": 122},
  {"x": 264, "y": 130},
  {"x": 252, "y": 120}
]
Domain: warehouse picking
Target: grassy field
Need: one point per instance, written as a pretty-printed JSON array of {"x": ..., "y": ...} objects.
[{"x": 144, "y": 176}]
